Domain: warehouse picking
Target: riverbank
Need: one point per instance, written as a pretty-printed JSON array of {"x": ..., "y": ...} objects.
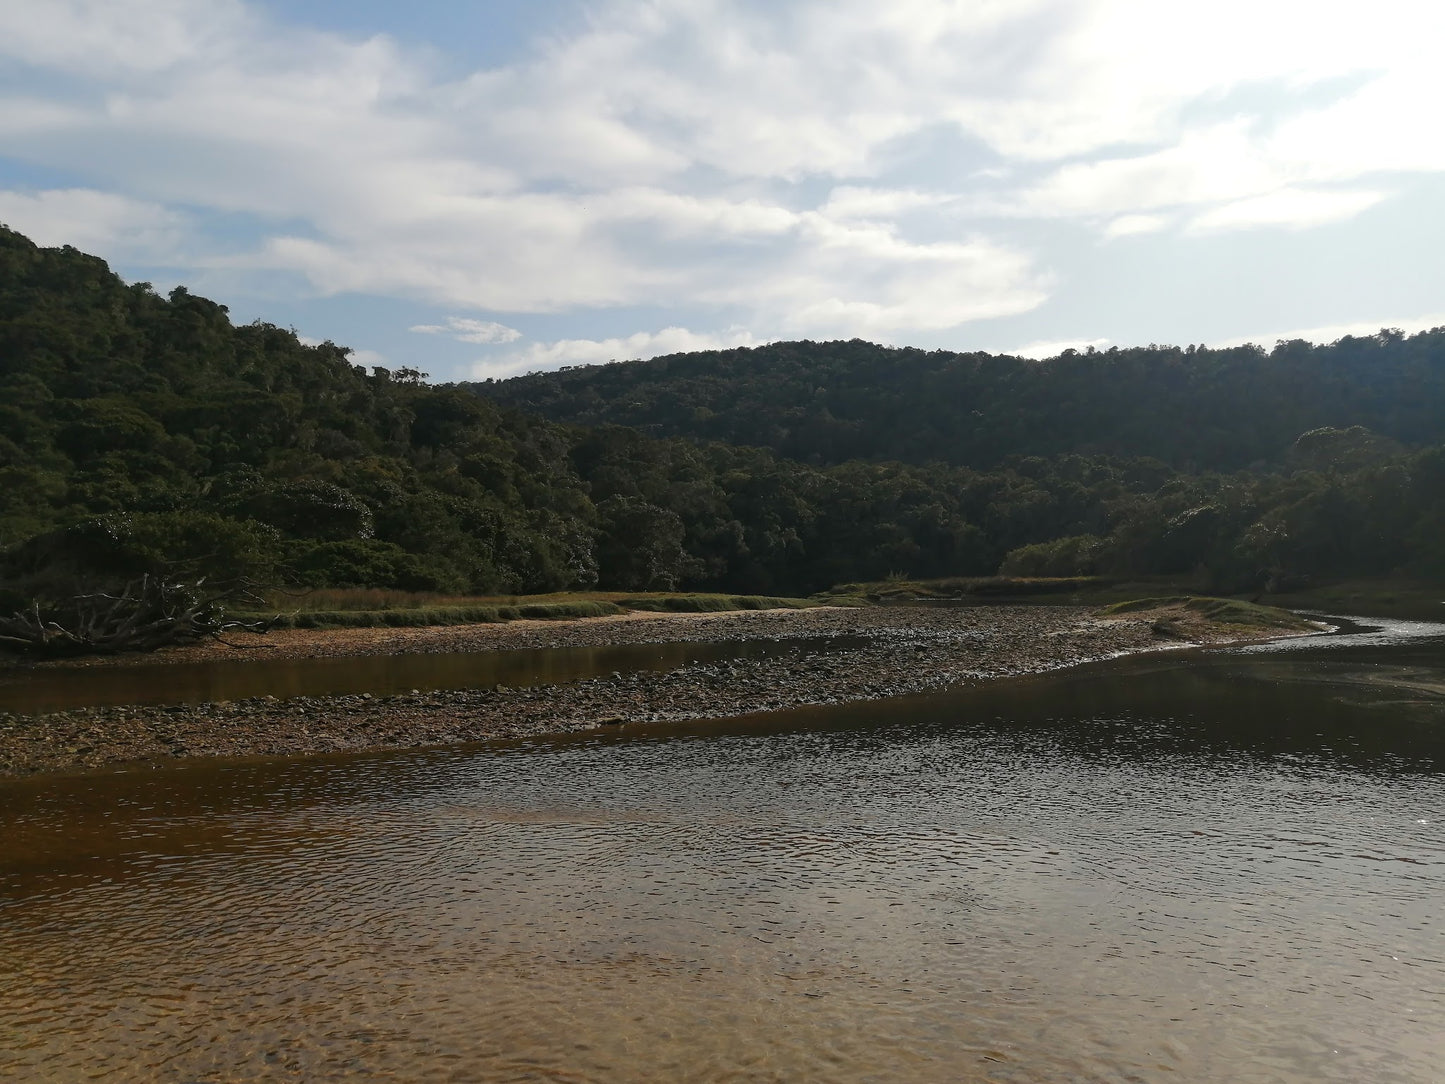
[
  {"x": 1392, "y": 597},
  {"x": 898, "y": 650}
]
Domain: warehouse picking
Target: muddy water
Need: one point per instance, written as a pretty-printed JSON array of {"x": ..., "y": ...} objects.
[
  {"x": 1219, "y": 866},
  {"x": 43, "y": 690}
]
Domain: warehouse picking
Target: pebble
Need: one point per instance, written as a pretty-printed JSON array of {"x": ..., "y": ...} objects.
[{"x": 891, "y": 651}]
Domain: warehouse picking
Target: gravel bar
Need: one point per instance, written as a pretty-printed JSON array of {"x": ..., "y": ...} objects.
[{"x": 906, "y": 649}]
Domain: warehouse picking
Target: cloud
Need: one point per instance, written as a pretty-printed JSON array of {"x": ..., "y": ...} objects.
[
  {"x": 117, "y": 38},
  {"x": 540, "y": 357},
  {"x": 863, "y": 278},
  {"x": 369, "y": 358},
  {"x": 1054, "y": 347},
  {"x": 464, "y": 330},
  {"x": 1331, "y": 332},
  {"x": 850, "y": 202},
  {"x": 1204, "y": 167},
  {"x": 1131, "y": 225},
  {"x": 811, "y": 168},
  {"x": 1294, "y": 208},
  {"x": 118, "y": 226}
]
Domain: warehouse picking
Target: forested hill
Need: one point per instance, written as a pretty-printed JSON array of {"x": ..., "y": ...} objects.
[
  {"x": 186, "y": 435},
  {"x": 828, "y": 402},
  {"x": 141, "y": 433}
]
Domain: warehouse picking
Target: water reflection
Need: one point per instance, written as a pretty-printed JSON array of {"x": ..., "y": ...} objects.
[
  {"x": 1214, "y": 867},
  {"x": 43, "y": 690}
]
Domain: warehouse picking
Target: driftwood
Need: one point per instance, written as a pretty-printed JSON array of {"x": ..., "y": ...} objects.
[{"x": 148, "y": 613}]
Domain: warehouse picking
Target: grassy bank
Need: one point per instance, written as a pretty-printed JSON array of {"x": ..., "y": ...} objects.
[
  {"x": 369, "y": 608},
  {"x": 1367, "y": 598},
  {"x": 1218, "y": 611},
  {"x": 962, "y": 587}
]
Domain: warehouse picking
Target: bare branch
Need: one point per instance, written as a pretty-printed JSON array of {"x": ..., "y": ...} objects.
[{"x": 146, "y": 614}]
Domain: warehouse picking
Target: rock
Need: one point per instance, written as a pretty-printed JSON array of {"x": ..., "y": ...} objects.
[{"x": 1166, "y": 629}]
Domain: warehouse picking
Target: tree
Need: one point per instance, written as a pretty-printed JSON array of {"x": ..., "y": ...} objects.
[{"x": 640, "y": 546}]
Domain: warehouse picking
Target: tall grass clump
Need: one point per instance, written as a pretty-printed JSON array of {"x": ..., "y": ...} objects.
[
  {"x": 414, "y": 617},
  {"x": 701, "y": 603}
]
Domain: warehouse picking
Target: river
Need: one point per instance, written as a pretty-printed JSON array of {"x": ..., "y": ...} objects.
[{"x": 1202, "y": 866}]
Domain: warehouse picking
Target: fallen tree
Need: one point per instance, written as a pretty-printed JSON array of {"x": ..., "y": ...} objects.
[{"x": 147, "y": 613}]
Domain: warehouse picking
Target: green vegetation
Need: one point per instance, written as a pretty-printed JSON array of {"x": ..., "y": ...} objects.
[
  {"x": 396, "y": 609},
  {"x": 716, "y": 603},
  {"x": 992, "y": 588},
  {"x": 143, "y": 435},
  {"x": 1193, "y": 408},
  {"x": 1220, "y": 611},
  {"x": 412, "y": 617},
  {"x": 1215, "y": 612}
]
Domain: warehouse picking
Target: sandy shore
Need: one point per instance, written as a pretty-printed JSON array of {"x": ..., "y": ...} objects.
[{"x": 890, "y": 652}]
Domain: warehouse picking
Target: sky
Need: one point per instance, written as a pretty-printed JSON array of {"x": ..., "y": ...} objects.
[{"x": 482, "y": 189}]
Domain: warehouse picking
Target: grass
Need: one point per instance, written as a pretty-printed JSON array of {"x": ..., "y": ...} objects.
[
  {"x": 374, "y": 608},
  {"x": 704, "y": 603},
  {"x": 962, "y": 587},
  {"x": 350, "y": 599},
  {"x": 1384, "y": 597},
  {"x": 1223, "y": 611},
  {"x": 410, "y": 617}
]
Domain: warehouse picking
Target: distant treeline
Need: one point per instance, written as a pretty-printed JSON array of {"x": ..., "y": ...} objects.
[
  {"x": 1194, "y": 408},
  {"x": 143, "y": 433}
]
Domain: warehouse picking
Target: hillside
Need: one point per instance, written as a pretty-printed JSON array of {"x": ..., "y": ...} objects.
[
  {"x": 141, "y": 433},
  {"x": 1195, "y": 409}
]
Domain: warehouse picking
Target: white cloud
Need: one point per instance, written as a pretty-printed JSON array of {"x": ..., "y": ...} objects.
[
  {"x": 1294, "y": 208},
  {"x": 777, "y": 165},
  {"x": 101, "y": 222},
  {"x": 1330, "y": 332},
  {"x": 850, "y": 202},
  {"x": 862, "y": 278},
  {"x": 116, "y": 37},
  {"x": 540, "y": 357},
  {"x": 1131, "y": 225},
  {"x": 464, "y": 330},
  {"x": 1204, "y": 167},
  {"x": 369, "y": 358},
  {"x": 1052, "y": 348}
]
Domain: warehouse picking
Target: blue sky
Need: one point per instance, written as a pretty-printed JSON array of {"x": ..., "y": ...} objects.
[{"x": 480, "y": 189}]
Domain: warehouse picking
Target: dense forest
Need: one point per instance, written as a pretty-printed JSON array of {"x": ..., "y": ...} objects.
[
  {"x": 1193, "y": 408},
  {"x": 141, "y": 433}
]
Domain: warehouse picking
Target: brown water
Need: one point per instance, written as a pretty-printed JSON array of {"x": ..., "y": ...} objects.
[
  {"x": 1204, "y": 867},
  {"x": 43, "y": 690}
]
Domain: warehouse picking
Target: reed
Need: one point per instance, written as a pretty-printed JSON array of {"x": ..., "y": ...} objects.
[
  {"x": 372, "y": 608},
  {"x": 411, "y": 617}
]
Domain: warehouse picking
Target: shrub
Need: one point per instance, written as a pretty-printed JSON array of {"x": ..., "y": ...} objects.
[{"x": 1076, "y": 555}]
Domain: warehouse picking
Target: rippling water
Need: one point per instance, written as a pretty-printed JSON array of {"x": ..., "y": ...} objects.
[
  {"x": 35, "y": 691},
  {"x": 1217, "y": 866}
]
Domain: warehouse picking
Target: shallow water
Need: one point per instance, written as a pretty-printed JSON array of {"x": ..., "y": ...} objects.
[
  {"x": 1197, "y": 866},
  {"x": 43, "y": 690}
]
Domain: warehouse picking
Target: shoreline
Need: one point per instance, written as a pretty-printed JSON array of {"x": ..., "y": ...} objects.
[{"x": 900, "y": 651}]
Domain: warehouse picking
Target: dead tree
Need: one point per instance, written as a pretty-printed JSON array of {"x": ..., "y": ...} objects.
[{"x": 148, "y": 613}]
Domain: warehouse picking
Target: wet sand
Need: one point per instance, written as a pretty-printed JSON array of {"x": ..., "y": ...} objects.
[{"x": 902, "y": 650}]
